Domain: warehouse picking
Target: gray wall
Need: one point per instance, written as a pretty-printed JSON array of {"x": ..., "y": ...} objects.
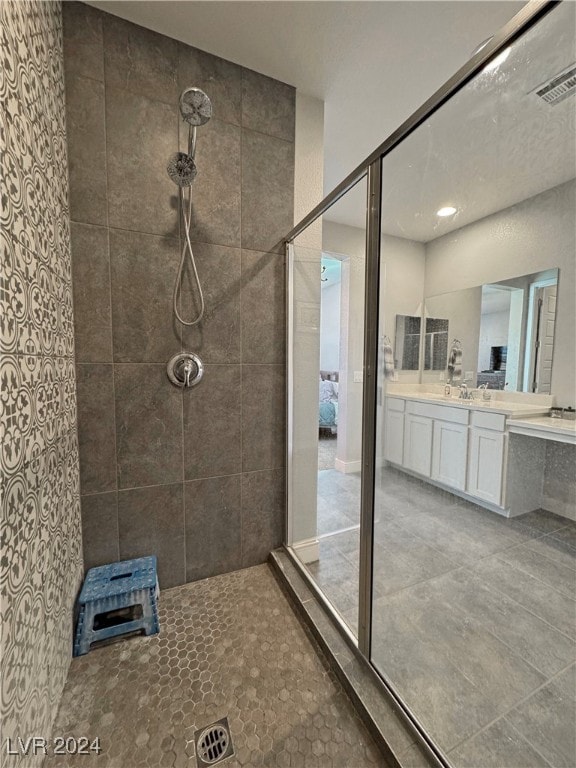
[
  {"x": 40, "y": 532},
  {"x": 196, "y": 477}
]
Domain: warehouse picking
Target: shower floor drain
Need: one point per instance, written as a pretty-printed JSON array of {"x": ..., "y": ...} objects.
[{"x": 213, "y": 743}]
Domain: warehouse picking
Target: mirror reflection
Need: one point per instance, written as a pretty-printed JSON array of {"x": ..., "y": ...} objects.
[{"x": 506, "y": 332}]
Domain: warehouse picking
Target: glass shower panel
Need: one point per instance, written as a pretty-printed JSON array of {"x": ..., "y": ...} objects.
[
  {"x": 326, "y": 325},
  {"x": 470, "y": 621}
]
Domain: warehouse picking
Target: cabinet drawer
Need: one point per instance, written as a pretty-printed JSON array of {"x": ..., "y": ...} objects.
[
  {"x": 489, "y": 420},
  {"x": 434, "y": 411},
  {"x": 395, "y": 404}
]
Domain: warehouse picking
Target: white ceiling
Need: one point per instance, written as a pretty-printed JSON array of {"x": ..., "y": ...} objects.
[{"x": 374, "y": 63}]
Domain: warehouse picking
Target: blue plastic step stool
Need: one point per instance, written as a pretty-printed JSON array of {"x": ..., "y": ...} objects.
[{"x": 116, "y": 587}]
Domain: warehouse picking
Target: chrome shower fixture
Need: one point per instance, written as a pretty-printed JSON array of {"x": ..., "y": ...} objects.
[
  {"x": 195, "y": 106},
  {"x": 182, "y": 169},
  {"x": 196, "y": 110}
]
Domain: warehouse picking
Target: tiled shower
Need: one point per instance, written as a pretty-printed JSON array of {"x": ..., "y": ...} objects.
[{"x": 195, "y": 476}]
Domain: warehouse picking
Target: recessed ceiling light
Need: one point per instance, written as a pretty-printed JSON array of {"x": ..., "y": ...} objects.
[{"x": 449, "y": 210}]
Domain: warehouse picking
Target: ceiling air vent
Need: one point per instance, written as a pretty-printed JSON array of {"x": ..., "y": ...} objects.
[{"x": 559, "y": 87}]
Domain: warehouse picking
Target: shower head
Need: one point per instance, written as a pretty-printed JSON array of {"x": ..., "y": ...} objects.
[
  {"x": 181, "y": 169},
  {"x": 195, "y": 106}
]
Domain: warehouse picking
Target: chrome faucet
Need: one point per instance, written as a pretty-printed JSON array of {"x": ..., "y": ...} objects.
[{"x": 485, "y": 394}]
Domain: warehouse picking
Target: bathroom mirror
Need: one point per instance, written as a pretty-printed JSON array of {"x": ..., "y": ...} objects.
[
  {"x": 506, "y": 329},
  {"x": 407, "y": 343},
  {"x": 436, "y": 344}
]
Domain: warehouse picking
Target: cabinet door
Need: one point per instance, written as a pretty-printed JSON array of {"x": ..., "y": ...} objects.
[
  {"x": 485, "y": 466},
  {"x": 450, "y": 454},
  {"x": 394, "y": 436},
  {"x": 418, "y": 444}
]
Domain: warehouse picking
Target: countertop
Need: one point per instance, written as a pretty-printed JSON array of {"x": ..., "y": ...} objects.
[
  {"x": 508, "y": 408},
  {"x": 561, "y": 430}
]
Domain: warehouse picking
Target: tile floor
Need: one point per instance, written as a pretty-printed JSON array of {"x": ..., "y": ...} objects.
[
  {"x": 230, "y": 646},
  {"x": 474, "y": 616}
]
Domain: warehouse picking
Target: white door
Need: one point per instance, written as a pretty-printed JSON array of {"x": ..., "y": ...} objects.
[
  {"x": 450, "y": 454},
  {"x": 418, "y": 444},
  {"x": 545, "y": 341},
  {"x": 486, "y": 462}
]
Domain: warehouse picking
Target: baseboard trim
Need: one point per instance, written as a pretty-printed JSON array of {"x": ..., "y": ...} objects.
[
  {"x": 347, "y": 467},
  {"x": 308, "y": 550}
]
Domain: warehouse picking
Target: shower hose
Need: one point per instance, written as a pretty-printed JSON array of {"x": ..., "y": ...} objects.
[{"x": 186, "y": 208}]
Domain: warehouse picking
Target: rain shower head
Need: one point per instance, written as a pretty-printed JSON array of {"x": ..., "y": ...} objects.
[
  {"x": 181, "y": 169},
  {"x": 195, "y": 106}
]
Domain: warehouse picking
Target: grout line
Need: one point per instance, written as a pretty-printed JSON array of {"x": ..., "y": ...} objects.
[{"x": 515, "y": 706}]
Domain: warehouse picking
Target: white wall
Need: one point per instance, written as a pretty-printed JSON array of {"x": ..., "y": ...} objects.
[
  {"x": 350, "y": 242},
  {"x": 402, "y": 267},
  {"x": 401, "y": 286},
  {"x": 330, "y": 327},
  {"x": 534, "y": 235}
]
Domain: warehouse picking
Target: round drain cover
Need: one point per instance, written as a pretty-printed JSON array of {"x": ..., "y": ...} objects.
[{"x": 213, "y": 743}]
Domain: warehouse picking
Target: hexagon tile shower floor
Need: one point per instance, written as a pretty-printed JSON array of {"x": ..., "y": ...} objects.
[{"x": 229, "y": 646}]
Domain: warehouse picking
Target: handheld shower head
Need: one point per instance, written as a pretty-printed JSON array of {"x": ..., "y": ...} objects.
[
  {"x": 195, "y": 106},
  {"x": 181, "y": 169}
]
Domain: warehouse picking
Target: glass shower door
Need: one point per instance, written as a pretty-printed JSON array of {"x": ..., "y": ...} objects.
[
  {"x": 326, "y": 341},
  {"x": 471, "y": 585}
]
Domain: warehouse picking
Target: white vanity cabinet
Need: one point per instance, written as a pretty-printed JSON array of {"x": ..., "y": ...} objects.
[
  {"x": 450, "y": 454},
  {"x": 418, "y": 444},
  {"x": 394, "y": 430},
  {"x": 487, "y": 455}
]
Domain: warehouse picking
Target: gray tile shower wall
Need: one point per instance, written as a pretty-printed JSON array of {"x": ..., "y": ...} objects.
[
  {"x": 195, "y": 476},
  {"x": 40, "y": 527}
]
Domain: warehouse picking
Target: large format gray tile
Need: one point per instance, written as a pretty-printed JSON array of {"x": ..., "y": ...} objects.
[
  {"x": 213, "y": 526},
  {"x": 498, "y": 746},
  {"x": 540, "y": 599},
  {"x": 263, "y": 417},
  {"x": 143, "y": 270},
  {"x": 148, "y": 426},
  {"x": 216, "y": 191},
  {"x": 555, "y": 549},
  {"x": 96, "y": 427},
  {"x": 263, "y": 506},
  {"x": 217, "y": 337},
  {"x": 140, "y": 60},
  {"x": 212, "y": 424},
  {"x": 263, "y": 308},
  {"x": 495, "y": 668},
  {"x": 100, "y": 529},
  {"x": 141, "y": 136},
  {"x": 268, "y": 106},
  {"x": 86, "y": 132},
  {"x": 83, "y": 41},
  {"x": 450, "y": 711},
  {"x": 541, "y": 567},
  {"x": 151, "y": 522},
  {"x": 221, "y": 80},
  {"x": 547, "y": 720},
  {"x": 267, "y": 191},
  {"x": 521, "y": 632},
  {"x": 91, "y": 284}
]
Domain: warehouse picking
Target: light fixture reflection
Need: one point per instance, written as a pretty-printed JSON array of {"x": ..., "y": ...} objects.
[{"x": 448, "y": 210}]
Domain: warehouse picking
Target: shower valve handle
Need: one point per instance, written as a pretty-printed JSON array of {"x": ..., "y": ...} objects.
[{"x": 185, "y": 370}]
